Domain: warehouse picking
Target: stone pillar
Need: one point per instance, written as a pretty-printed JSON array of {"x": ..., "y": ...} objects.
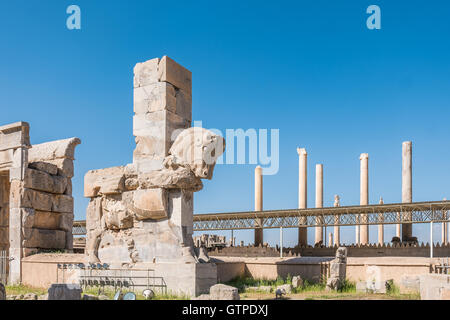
[
  {"x": 381, "y": 228},
  {"x": 407, "y": 186},
  {"x": 162, "y": 109},
  {"x": 14, "y": 145},
  {"x": 330, "y": 239},
  {"x": 258, "y": 204},
  {"x": 364, "y": 196},
  {"x": 337, "y": 231},
  {"x": 319, "y": 203},
  {"x": 445, "y": 227},
  {"x": 302, "y": 194}
]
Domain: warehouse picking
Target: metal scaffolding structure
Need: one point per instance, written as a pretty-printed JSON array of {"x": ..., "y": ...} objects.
[{"x": 398, "y": 213}]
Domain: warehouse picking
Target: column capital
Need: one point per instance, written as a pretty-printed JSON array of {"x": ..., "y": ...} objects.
[
  {"x": 301, "y": 151},
  {"x": 364, "y": 156}
]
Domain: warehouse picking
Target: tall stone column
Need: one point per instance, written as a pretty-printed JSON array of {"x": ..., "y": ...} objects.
[
  {"x": 337, "y": 231},
  {"x": 319, "y": 202},
  {"x": 445, "y": 227},
  {"x": 364, "y": 196},
  {"x": 258, "y": 204},
  {"x": 407, "y": 186},
  {"x": 302, "y": 195},
  {"x": 381, "y": 228}
]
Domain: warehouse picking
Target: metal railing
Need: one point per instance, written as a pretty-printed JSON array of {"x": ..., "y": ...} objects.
[
  {"x": 397, "y": 213},
  {"x": 443, "y": 266},
  {"x": 101, "y": 276}
]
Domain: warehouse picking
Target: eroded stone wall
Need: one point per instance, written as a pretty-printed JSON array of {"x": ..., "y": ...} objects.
[
  {"x": 4, "y": 210},
  {"x": 36, "y": 204}
]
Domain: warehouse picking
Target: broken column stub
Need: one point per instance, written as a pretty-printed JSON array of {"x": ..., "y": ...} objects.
[{"x": 162, "y": 107}]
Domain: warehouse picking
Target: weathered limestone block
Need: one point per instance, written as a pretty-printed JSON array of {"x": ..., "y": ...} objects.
[
  {"x": 29, "y": 251},
  {"x": 40, "y": 219},
  {"x": 43, "y": 201},
  {"x": 180, "y": 178},
  {"x": 181, "y": 214},
  {"x": 116, "y": 214},
  {"x": 146, "y": 73},
  {"x": 14, "y": 135},
  {"x": 341, "y": 255},
  {"x": 297, "y": 282},
  {"x": 6, "y": 158},
  {"x": 44, "y": 166},
  {"x": 158, "y": 125},
  {"x": 164, "y": 70},
  {"x": 94, "y": 214},
  {"x": 150, "y": 204},
  {"x": 62, "y": 203},
  {"x": 63, "y": 291},
  {"x": 4, "y": 216},
  {"x": 65, "y": 167},
  {"x": 4, "y": 236},
  {"x": 184, "y": 104},
  {"x": 223, "y": 292},
  {"x": 42, "y": 238},
  {"x": 338, "y": 270},
  {"x": 42, "y": 181},
  {"x": 69, "y": 187},
  {"x": 155, "y": 97},
  {"x": 28, "y": 198},
  {"x": 175, "y": 74},
  {"x": 60, "y": 149},
  {"x": 66, "y": 222},
  {"x": 46, "y": 220},
  {"x": 104, "y": 181}
]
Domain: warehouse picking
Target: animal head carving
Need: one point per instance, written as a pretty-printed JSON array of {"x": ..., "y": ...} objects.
[{"x": 197, "y": 149}]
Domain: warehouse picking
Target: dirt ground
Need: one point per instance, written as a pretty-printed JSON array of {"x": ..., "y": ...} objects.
[{"x": 326, "y": 296}]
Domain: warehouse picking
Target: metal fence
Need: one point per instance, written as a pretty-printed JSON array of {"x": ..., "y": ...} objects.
[
  {"x": 4, "y": 264},
  {"x": 443, "y": 266},
  {"x": 103, "y": 277}
]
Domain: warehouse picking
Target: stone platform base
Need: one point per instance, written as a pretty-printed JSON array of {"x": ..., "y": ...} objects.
[
  {"x": 190, "y": 279},
  {"x": 181, "y": 278}
]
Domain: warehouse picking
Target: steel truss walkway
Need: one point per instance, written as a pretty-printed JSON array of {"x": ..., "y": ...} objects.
[{"x": 398, "y": 213}]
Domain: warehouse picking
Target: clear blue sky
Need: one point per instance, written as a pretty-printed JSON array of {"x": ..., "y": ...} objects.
[{"x": 311, "y": 69}]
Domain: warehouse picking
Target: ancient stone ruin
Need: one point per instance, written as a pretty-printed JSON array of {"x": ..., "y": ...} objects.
[
  {"x": 36, "y": 204},
  {"x": 337, "y": 270},
  {"x": 141, "y": 214}
]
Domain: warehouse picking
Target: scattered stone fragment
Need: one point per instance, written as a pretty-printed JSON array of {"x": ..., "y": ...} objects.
[
  {"x": 223, "y": 292},
  {"x": 2, "y": 292},
  {"x": 63, "y": 291},
  {"x": 297, "y": 282},
  {"x": 287, "y": 288},
  {"x": 30, "y": 296}
]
